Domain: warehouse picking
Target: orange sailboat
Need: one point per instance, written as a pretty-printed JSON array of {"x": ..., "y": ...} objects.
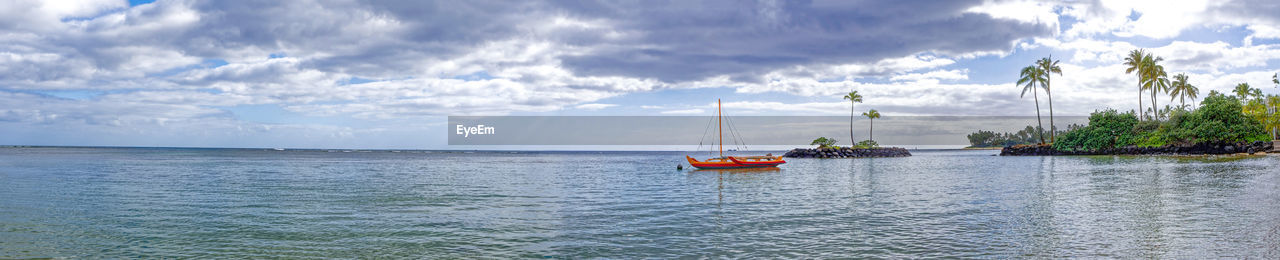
[{"x": 732, "y": 162}]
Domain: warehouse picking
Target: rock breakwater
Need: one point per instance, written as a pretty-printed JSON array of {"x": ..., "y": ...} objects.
[
  {"x": 1195, "y": 149},
  {"x": 847, "y": 152}
]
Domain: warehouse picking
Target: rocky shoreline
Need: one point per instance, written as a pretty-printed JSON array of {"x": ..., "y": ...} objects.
[
  {"x": 1196, "y": 149},
  {"x": 847, "y": 152}
]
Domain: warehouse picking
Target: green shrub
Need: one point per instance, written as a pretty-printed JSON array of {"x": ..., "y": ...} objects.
[
  {"x": 1218, "y": 119},
  {"x": 1151, "y": 139},
  {"x": 867, "y": 144},
  {"x": 823, "y": 142},
  {"x": 984, "y": 138},
  {"x": 1106, "y": 129}
]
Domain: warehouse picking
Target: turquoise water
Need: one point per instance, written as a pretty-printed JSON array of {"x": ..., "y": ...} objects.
[{"x": 228, "y": 203}]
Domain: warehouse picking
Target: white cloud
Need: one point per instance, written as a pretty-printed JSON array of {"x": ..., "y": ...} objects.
[
  {"x": 149, "y": 65},
  {"x": 594, "y": 106},
  {"x": 1215, "y": 57},
  {"x": 684, "y": 112},
  {"x": 934, "y": 75},
  {"x": 1024, "y": 11}
]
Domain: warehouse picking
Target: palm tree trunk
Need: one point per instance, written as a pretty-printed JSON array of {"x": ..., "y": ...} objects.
[
  {"x": 851, "y": 141},
  {"x": 872, "y": 132},
  {"x": 1048, "y": 91},
  {"x": 1155, "y": 108},
  {"x": 1141, "y": 114},
  {"x": 1040, "y": 131},
  {"x": 1274, "y": 110}
]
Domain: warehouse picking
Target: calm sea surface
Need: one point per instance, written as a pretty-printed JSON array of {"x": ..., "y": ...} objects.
[{"x": 220, "y": 203}]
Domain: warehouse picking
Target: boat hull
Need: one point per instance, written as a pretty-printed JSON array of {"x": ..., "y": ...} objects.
[{"x": 733, "y": 163}]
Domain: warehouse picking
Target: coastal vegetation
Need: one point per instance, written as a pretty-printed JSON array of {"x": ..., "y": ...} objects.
[
  {"x": 1219, "y": 119},
  {"x": 1026, "y": 136},
  {"x": 823, "y": 142},
  {"x": 1247, "y": 116},
  {"x": 866, "y": 144}
]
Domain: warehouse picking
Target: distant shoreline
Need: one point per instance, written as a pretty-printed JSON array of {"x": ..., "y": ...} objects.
[{"x": 982, "y": 148}]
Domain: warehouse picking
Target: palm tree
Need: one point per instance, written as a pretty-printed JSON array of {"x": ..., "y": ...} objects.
[
  {"x": 1181, "y": 89},
  {"x": 1031, "y": 75},
  {"x": 1242, "y": 91},
  {"x": 1273, "y": 102},
  {"x": 853, "y": 98},
  {"x": 1134, "y": 63},
  {"x": 1049, "y": 67},
  {"x": 1155, "y": 79},
  {"x": 873, "y": 114}
]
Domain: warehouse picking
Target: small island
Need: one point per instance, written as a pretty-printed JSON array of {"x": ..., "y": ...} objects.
[{"x": 863, "y": 149}]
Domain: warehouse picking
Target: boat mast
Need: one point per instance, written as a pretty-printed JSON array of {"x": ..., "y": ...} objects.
[{"x": 720, "y": 127}]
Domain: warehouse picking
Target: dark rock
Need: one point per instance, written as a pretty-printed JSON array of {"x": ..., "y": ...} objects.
[
  {"x": 1192, "y": 149},
  {"x": 847, "y": 153}
]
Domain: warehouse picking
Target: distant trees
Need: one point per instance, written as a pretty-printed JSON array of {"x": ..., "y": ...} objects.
[{"x": 1028, "y": 135}]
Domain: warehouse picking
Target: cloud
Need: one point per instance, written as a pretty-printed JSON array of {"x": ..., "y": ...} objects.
[
  {"x": 750, "y": 40},
  {"x": 684, "y": 112},
  {"x": 1216, "y": 56},
  {"x": 1163, "y": 20},
  {"x": 594, "y": 106},
  {"x": 191, "y": 62},
  {"x": 545, "y": 54},
  {"x": 933, "y": 75}
]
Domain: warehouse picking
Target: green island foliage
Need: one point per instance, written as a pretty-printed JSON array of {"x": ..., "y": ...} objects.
[
  {"x": 1219, "y": 118},
  {"x": 984, "y": 138},
  {"x": 866, "y": 144},
  {"x": 823, "y": 142}
]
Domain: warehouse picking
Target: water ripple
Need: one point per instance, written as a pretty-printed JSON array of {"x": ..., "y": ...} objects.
[{"x": 202, "y": 203}]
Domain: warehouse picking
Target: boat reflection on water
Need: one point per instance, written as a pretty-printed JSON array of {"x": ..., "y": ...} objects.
[
  {"x": 737, "y": 170},
  {"x": 720, "y": 181}
]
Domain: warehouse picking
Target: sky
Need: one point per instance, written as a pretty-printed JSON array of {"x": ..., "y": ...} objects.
[{"x": 386, "y": 74}]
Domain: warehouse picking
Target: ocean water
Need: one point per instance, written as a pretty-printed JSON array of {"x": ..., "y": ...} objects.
[{"x": 243, "y": 203}]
